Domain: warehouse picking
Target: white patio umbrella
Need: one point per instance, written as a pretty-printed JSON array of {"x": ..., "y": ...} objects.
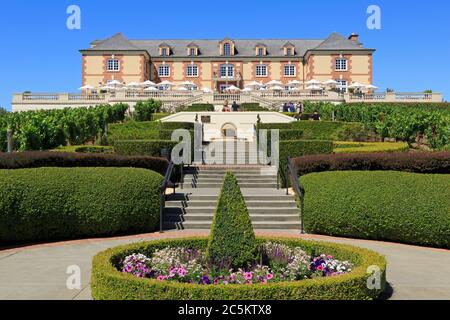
[
  {"x": 115, "y": 83},
  {"x": 148, "y": 83},
  {"x": 371, "y": 87},
  {"x": 207, "y": 90},
  {"x": 232, "y": 88},
  {"x": 187, "y": 84},
  {"x": 331, "y": 82},
  {"x": 294, "y": 83},
  {"x": 294, "y": 89},
  {"x": 314, "y": 87},
  {"x": 182, "y": 89},
  {"x": 313, "y": 82},
  {"x": 108, "y": 88},
  {"x": 277, "y": 88},
  {"x": 247, "y": 89},
  {"x": 133, "y": 86},
  {"x": 274, "y": 83},
  {"x": 262, "y": 89},
  {"x": 86, "y": 87},
  {"x": 255, "y": 84},
  {"x": 151, "y": 89},
  {"x": 166, "y": 83},
  {"x": 356, "y": 85}
]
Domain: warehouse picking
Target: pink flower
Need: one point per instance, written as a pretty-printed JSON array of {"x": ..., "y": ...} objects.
[
  {"x": 161, "y": 278},
  {"x": 269, "y": 276},
  {"x": 216, "y": 281},
  {"x": 182, "y": 272},
  {"x": 330, "y": 257},
  {"x": 319, "y": 268},
  {"x": 248, "y": 276},
  {"x": 264, "y": 281}
]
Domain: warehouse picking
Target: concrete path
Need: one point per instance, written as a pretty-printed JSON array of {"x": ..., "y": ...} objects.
[{"x": 39, "y": 272}]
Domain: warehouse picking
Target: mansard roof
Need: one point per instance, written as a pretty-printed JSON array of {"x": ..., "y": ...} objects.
[{"x": 244, "y": 47}]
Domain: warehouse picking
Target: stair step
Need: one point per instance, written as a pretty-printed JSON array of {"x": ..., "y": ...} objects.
[
  {"x": 242, "y": 185},
  {"x": 209, "y": 217},
  {"x": 256, "y": 225},
  {"x": 251, "y": 210}
]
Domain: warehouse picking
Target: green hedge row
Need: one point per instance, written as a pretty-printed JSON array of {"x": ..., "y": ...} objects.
[
  {"x": 142, "y": 147},
  {"x": 200, "y": 107},
  {"x": 394, "y": 206},
  {"x": 232, "y": 238},
  {"x": 418, "y": 162},
  {"x": 249, "y": 107},
  {"x": 66, "y": 203},
  {"x": 35, "y": 159},
  {"x": 133, "y": 130},
  {"x": 323, "y": 130},
  {"x": 110, "y": 284}
]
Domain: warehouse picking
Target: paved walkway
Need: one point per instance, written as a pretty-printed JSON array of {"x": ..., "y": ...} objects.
[{"x": 39, "y": 272}]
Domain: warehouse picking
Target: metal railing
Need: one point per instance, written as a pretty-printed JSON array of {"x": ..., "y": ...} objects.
[
  {"x": 292, "y": 175},
  {"x": 164, "y": 185}
]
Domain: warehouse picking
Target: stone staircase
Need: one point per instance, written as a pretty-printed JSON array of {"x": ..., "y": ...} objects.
[{"x": 194, "y": 206}]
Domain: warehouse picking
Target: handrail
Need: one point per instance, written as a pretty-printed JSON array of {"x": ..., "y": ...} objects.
[
  {"x": 292, "y": 173},
  {"x": 164, "y": 186}
]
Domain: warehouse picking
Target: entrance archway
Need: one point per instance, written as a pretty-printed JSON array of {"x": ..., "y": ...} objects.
[{"x": 229, "y": 131}]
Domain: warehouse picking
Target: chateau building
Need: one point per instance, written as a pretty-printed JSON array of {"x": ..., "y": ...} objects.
[{"x": 216, "y": 64}]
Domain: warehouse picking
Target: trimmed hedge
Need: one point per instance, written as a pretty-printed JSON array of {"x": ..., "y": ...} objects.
[
  {"x": 110, "y": 284},
  {"x": 323, "y": 130},
  {"x": 395, "y": 206},
  {"x": 37, "y": 159},
  {"x": 67, "y": 203},
  {"x": 418, "y": 162},
  {"x": 364, "y": 147},
  {"x": 248, "y": 107},
  {"x": 232, "y": 239},
  {"x": 94, "y": 149},
  {"x": 133, "y": 130},
  {"x": 200, "y": 107},
  {"x": 143, "y": 147}
]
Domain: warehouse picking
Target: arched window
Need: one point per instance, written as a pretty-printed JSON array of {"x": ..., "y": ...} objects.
[{"x": 227, "y": 49}]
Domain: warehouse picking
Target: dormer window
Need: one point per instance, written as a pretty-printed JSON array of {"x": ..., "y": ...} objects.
[
  {"x": 192, "y": 49},
  {"x": 261, "y": 50},
  {"x": 164, "y": 50},
  {"x": 227, "y": 47},
  {"x": 289, "y": 49}
]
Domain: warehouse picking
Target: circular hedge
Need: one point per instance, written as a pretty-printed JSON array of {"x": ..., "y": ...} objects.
[
  {"x": 108, "y": 283},
  {"x": 67, "y": 203}
]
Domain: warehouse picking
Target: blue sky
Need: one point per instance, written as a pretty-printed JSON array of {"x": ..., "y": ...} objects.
[{"x": 39, "y": 53}]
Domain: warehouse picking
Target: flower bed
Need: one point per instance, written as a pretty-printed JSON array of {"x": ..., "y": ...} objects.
[
  {"x": 278, "y": 263},
  {"x": 287, "y": 269}
]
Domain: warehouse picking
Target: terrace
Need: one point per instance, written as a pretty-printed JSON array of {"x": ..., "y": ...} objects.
[{"x": 173, "y": 99}]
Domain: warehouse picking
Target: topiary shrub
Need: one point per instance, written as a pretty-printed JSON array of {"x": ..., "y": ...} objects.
[
  {"x": 67, "y": 203},
  {"x": 380, "y": 205},
  {"x": 232, "y": 239}
]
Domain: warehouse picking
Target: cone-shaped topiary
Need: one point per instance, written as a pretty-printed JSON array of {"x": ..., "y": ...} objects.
[{"x": 232, "y": 240}]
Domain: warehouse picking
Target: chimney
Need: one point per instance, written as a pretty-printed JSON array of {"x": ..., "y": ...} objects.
[{"x": 354, "y": 37}]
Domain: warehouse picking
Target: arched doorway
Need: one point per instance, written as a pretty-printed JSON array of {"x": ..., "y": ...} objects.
[{"x": 229, "y": 131}]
